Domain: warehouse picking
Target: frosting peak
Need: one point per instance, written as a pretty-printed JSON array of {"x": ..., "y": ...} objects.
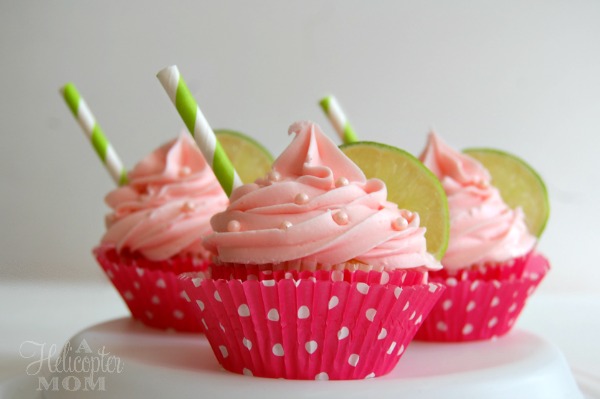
[
  {"x": 312, "y": 154},
  {"x": 166, "y": 207},
  {"x": 482, "y": 227},
  {"x": 316, "y": 205}
]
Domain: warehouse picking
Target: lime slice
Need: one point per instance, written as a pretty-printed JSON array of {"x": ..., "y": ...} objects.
[
  {"x": 410, "y": 185},
  {"x": 249, "y": 158},
  {"x": 519, "y": 185}
]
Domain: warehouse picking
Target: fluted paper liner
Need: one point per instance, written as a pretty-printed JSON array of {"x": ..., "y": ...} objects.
[
  {"x": 152, "y": 290},
  {"x": 296, "y": 271},
  {"x": 311, "y": 328},
  {"x": 481, "y": 305}
]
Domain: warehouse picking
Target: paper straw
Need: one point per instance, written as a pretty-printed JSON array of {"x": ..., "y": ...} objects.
[
  {"x": 92, "y": 130},
  {"x": 198, "y": 126},
  {"x": 338, "y": 119}
]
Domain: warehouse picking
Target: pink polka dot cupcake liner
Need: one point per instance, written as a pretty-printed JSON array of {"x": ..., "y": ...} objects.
[
  {"x": 314, "y": 327},
  {"x": 153, "y": 291},
  {"x": 482, "y": 304}
]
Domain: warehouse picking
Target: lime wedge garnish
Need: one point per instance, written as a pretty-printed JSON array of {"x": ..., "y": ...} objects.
[
  {"x": 410, "y": 185},
  {"x": 518, "y": 183},
  {"x": 249, "y": 158}
]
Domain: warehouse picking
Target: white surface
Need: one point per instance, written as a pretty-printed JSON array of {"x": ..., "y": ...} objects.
[
  {"x": 160, "y": 364},
  {"x": 521, "y": 75},
  {"x": 52, "y": 313}
]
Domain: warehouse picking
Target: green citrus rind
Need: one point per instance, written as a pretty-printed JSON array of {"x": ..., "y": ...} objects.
[
  {"x": 250, "y": 159},
  {"x": 409, "y": 184},
  {"x": 519, "y": 185}
]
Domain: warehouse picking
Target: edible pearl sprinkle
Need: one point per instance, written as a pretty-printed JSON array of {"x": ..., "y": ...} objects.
[
  {"x": 482, "y": 183},
  {"x": 301, "y": 199},
  {"x": 233, "y": 226},
  {"x": 341, "y": 182},
  {"x": 274, "y": 175},
  {"x": 400, "y": 223},
  {"x": 340, "y": 217},
  {"x": 188, "y": 206},
  {"x": 185, "y": 171},
  {"x": 286, "y": 225}
]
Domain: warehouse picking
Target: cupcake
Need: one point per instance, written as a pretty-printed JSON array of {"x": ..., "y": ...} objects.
[
  {"x": 316, "y": 275},
  {"x": 491, "y": 266},
  {"x": 155, "y": 230}
]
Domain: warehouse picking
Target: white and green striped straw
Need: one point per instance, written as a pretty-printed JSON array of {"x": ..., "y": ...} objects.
[
  {"x": 198, "y": 126},
  {"x": 90, "y": 127},
  {"x": 338, "y": 119}
]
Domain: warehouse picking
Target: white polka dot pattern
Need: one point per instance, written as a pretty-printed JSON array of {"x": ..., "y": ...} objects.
[
  {"x": 263, "y": 314},
  {"x": 391, "y": 348},
  {"x": 333, "y": 302},
  {"x": 273, "y": 315},
  {"x": 278, "y": 350},
  {"x": 157, "y": 298},
  {"x": 303, "y": 312},
  {"x": 322, "y": 376},
  {"x": 196, "y": 282},
  {"x": 470, "y": 306},
  {"x": 370, "y": 314},
  {"x": 184, "y": 296},
  {"x": 311, "y": 346},
  {"x": 362, "y": 288},
  {"x": 178, "y": 314},
  {"x": 481, "y": 308},
  {"x": 447, "y": 304},
  {"x": 244, "y": 310},
  {"x": 467, "y": 329},
  {"x": 224, "y": 351},
  {"x": 343, "y": 333}
]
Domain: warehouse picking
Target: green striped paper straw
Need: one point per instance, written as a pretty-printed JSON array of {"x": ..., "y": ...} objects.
[
  {"x": 198, "y": 126},
  {"x": 338, "y": 119},
  {"x": 92, "y": 130}
]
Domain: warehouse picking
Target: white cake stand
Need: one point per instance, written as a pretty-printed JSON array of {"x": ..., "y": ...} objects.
[{"x": 171, "y": 365}]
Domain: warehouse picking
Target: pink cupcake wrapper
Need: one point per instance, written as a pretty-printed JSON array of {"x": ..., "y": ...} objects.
[
  {"x": 155, "y": 297},
  {"x": 309, "y": 328},
  {"x": 471, "y": 310}
]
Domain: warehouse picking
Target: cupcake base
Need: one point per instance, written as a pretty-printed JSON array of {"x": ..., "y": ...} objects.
[
  {"x": 482, "y": 303},
  {"x": 153, "y": 291},
  {"x": 314, "y": 327}
]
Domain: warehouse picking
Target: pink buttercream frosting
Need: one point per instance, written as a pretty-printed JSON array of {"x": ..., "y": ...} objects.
[
  {"x": 317, "y": 206},
  {"x": 483, "y": 229},
  {"x": 165, "y": 209}
]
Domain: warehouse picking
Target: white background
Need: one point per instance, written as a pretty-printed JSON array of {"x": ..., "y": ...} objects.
[{"x": 523, "y": 76}]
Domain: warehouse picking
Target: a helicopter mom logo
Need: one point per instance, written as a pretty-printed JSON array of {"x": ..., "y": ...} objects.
[{"x": 74, "y": 369}]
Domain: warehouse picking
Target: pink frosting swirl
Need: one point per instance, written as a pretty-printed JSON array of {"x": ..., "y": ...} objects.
[
  {"x": 316, "y": 205},
  {"x": 482, "y": 227},
  {"x": 165, "y": 209}
]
